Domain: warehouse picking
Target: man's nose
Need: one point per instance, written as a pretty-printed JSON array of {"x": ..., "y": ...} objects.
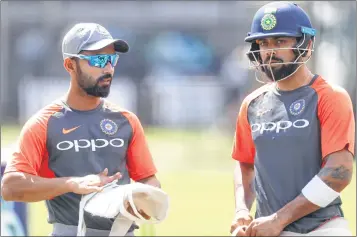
[{"x": 270, "y": 52}]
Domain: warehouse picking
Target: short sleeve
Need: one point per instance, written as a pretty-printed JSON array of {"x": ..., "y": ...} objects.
[
  {"x": 139, "y": 160},
  {"x": 335, "y": 113},
  {"x": 30, "y": 148},
  {"x": 243, "y": 144}
]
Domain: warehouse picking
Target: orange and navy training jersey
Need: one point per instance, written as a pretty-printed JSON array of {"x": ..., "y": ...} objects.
[
  {"x": 61, "y": 142},
  {"x": 287, "y": 135}
]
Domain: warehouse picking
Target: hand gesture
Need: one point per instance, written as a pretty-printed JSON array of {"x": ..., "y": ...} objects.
[
  {"x": 92, "y": 183},
  {"x": 265, "y": 226},
  {"x": 242, "y": 219}
]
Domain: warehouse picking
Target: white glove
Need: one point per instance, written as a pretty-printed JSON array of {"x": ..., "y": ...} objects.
[{"x": 112, "y": 202}]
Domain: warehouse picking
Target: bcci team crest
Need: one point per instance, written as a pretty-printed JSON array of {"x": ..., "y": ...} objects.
[
  {"x": 268, "y": 22},
  {"x": 108, "y": 127},
  {"x": 297, "y": 107}
]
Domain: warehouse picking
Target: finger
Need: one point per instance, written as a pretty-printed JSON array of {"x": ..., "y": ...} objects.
[
  {"x": 248, "y": 230},
  {"x": 233, "y": 227},
  {"x": 114, "y": 177},
  {"x": 242, "y": 231},
  {"x": 254, "y": 231},
  {"x": 239, "y": 231},
  {"x": 235, "y": 223},
  {"x": 104, "y": 172},
  {"x": 246, "y": 222},
  {"x": 117, "y": 175}
]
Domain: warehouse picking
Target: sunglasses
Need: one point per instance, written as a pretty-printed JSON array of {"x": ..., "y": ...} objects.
[{"x": 99, "y": 60}]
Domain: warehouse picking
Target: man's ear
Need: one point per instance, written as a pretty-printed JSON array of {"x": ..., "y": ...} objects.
[{"x": 69, "y": 65}]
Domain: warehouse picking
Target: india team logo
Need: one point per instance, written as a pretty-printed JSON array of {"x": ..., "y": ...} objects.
[
  {"x": 108, "y": 126},
  {"x": 268, "y": 22},
  {"x": 297, "y": 107}
]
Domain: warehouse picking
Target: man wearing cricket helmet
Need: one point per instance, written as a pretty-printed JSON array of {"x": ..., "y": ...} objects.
[{"x": 294, "y": 139}]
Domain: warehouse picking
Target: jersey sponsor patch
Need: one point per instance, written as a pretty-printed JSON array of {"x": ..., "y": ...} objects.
[
  {"x": 92, "y": 144},
  {"x": 280, "y": 126}
]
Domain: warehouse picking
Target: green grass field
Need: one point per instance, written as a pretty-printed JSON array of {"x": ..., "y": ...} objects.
[{"x": 195, "y": 169}]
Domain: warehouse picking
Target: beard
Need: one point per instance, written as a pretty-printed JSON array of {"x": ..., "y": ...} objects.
[
  {"x": 276, "y": 74},
  {"x": 85, "y": 82}
]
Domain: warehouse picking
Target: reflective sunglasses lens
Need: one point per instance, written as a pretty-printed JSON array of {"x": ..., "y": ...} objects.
[
  {"x": 102, "y": 60},
  {"x": 98, "y": 61},
  {"x": 114, "y": 59}
]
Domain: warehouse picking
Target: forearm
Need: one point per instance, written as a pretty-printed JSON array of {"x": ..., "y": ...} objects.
[
  {"x": 23, "y": 187},
  {"x": 244, "y": 186},
  {"x": 152, "y": 180},
  {"x": 336, "y": 174},
  {"x": 296, "y": 209}
]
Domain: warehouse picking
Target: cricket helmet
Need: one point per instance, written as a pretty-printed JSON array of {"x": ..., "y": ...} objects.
[{"x": 280, "y": 19}]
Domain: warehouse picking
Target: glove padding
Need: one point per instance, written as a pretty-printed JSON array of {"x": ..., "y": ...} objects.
[{"x": 113, "y": 202}]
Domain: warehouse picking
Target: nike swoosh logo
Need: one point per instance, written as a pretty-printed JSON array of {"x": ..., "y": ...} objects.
[{"x": 66, "y": 131}]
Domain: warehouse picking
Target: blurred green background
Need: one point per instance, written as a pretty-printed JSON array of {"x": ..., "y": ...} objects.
[{"x": 196, "y": 170}]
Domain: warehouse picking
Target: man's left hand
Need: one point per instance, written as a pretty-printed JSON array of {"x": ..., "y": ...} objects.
[{"x": 265, "y": 226}]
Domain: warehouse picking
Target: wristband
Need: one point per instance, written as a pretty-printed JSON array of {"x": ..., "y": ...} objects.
[{"x": 319, "y": 193}]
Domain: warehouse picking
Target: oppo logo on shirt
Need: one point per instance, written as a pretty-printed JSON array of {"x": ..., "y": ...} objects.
[
  {"x": 280, "y": 126},
  {"x": 92, "y": 144}
]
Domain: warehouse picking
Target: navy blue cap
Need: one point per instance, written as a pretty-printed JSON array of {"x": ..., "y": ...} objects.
[{"x": 280, "y": 19}]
